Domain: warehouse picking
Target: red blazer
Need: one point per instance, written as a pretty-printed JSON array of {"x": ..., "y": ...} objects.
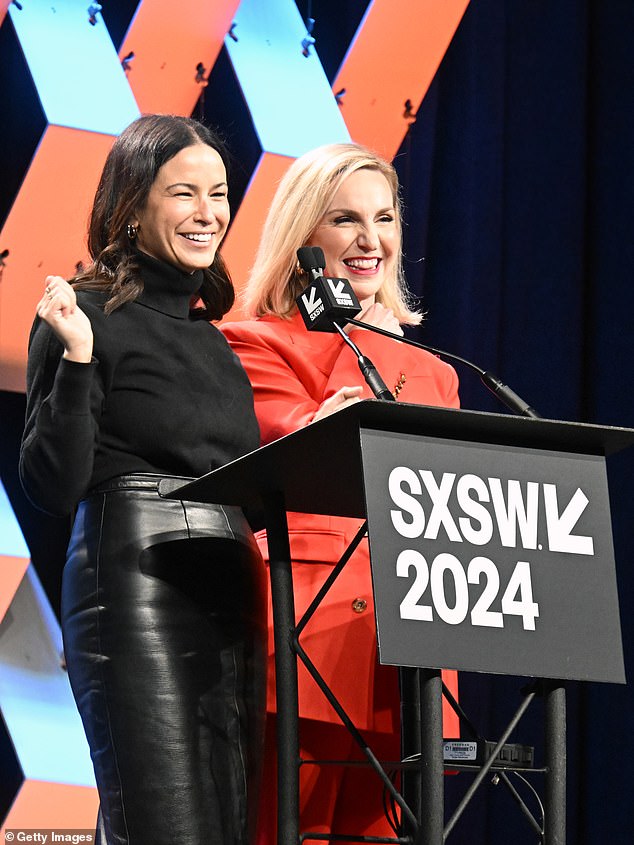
[{"x": 292, "y": 372}]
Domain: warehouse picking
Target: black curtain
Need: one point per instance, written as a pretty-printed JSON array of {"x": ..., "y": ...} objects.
[{"x": 518, "y": 181}]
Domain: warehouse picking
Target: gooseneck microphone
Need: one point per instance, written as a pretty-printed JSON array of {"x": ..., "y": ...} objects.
[
  {"x": 502, "y": 391},
  {"x": 323, "y": 310},
  {"x": 326, "y": 303},
  {"x": 370, "y": 372}
]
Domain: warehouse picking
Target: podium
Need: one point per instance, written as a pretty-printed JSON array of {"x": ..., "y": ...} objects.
[{"x": 491, "y": 551}]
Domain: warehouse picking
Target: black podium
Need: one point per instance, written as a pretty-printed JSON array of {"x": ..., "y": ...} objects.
[{"x": 491, "y": 551}]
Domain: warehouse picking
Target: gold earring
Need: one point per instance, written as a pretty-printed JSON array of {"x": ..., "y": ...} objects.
[{"x": 131, "y": 231}]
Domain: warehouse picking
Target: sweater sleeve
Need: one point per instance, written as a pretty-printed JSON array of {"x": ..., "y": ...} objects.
[{"x": 60, "y": 433}]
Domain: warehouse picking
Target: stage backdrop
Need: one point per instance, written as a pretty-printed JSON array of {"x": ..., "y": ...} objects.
[{"x": 518, "y": 180}]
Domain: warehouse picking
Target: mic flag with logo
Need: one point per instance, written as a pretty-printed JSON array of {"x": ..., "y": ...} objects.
[{"x": 325, "y": 300}]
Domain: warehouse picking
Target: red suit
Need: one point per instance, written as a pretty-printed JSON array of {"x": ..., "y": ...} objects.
[{"x": 292, "y": 372}]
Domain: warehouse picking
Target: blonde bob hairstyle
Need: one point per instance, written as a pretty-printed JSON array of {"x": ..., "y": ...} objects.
[{"x": 298, "y": 207}]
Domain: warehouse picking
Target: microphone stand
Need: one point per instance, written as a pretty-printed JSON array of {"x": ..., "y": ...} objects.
[
  {"x": 370, "y": 372},
  {"x": 502, "y": 391}
]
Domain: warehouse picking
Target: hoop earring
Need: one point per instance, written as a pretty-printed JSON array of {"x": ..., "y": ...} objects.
[{"x": 131, "y": 231}]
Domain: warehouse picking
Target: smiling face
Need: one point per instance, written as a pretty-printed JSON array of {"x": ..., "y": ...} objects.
[
  {"x": 359, "y": 233},
  {"x": 187, "y": 210}
]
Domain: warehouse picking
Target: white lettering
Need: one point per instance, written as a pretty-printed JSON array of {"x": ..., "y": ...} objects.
[
  {"x": 514, "y": 512},
  {"x": 560, "y": 525},
  {"x": 446, "y": 564},
  {"x": 311, "y": 301},
  {"x": 440, "y": 514},
  {"x": 475, "y": 511},
  {"x": 410, "y": 609},
  {"x": 342, "y": 297},
  {"x": 452, "y": 606},
  {"x": 416, "y": 525},
  {"x": 459, "y": 506}
]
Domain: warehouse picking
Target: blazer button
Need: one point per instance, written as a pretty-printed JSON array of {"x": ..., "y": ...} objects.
[{"x": 359, "y": 605}]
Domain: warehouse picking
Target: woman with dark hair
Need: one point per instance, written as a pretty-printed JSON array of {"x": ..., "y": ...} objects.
[{"x": 163, "y": 602}]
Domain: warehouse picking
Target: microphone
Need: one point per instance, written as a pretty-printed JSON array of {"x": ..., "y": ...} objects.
[
  {"x": 333, "y": 316},
  {"x": 325, "y": 300},
  {"x": 502, "y": 391},
  {"x": 312, "y": 260},
  {"x": 328, "y": 302}
]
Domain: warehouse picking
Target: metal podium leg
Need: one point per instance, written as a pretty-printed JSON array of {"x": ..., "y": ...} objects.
[
  {"x": 421, "y": 738},
  {"x": 409, "y": 690},
  {"x": 432, "y": 764},
  {"x": 285, "y": 670},
  {"x": 555, "y": 741}
]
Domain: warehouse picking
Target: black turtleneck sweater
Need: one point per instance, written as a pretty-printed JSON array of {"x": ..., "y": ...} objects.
[{"x": 164, "y": 393}]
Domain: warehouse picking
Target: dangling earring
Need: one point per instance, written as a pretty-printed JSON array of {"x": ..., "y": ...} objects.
[{"x": 131, "y": 231}]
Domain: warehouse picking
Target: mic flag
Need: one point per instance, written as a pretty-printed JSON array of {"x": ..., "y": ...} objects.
[
  {"x": 325, "y": 300},
  {"x": 327, "y": 304}
]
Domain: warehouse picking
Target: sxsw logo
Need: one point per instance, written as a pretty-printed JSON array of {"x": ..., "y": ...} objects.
[
  {"x": 313, "y": 303},
  {"x": 476, "y": 510},
  {"x": 485, "y": 506},
  {"x": 341, "y": 295},
  {"x": 491, "y": 557},
  {"x": 327, "y": 293}
]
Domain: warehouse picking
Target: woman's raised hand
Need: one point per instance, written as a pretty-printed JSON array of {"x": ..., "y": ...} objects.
[
  {"x": 58, "y": 307},
  {"x": 381, "y": 317}
]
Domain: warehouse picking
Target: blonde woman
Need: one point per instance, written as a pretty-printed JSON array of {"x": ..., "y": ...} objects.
[{"x": 344, "y": 199}]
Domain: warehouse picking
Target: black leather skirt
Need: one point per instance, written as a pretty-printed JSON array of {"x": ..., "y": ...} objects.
[{"x": 164, "y": 624}]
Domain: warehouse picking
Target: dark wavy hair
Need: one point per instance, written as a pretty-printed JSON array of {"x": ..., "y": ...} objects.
[{"x": 128, "y": 174}]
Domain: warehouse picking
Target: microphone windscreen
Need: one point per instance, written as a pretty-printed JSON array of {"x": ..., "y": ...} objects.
[
  {"x": 306, "y": 258},
  {"x": 319, "y": 257}
]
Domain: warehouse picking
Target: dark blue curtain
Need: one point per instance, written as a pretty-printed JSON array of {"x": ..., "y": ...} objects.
[{"x": 518, "y": 177}]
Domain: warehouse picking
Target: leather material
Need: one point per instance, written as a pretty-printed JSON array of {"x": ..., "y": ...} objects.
[{"x": 164, "y": 621}]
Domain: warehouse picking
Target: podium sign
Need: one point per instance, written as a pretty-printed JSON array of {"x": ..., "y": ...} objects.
[{"x": 497, "y": 557}]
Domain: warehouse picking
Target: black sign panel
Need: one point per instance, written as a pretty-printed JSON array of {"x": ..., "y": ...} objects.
[{"x": 491, "y": 558}]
